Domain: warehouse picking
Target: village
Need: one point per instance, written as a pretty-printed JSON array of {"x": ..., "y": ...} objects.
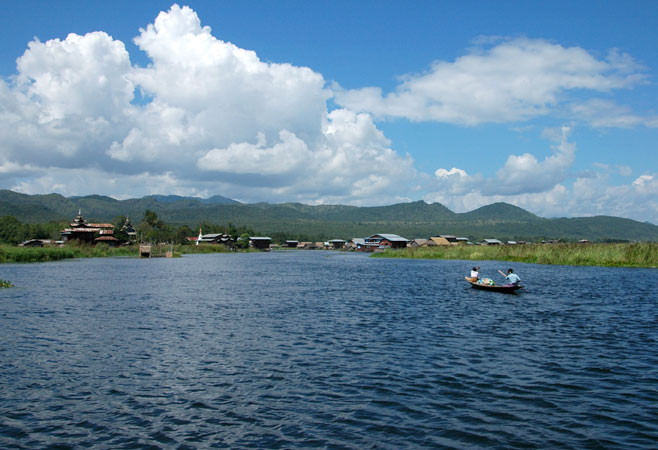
[{"x": 83, "y": 232}]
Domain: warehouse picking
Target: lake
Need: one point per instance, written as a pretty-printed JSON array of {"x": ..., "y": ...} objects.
[{"x": 293, "y": 349}]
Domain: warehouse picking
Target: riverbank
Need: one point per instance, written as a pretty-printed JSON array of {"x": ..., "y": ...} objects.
[
  {"x": 603, "y": 255},
  {"x": 11, "y": 254}
]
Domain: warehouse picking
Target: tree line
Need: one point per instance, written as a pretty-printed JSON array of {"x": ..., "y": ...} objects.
[{"x": 150, "y": 229}]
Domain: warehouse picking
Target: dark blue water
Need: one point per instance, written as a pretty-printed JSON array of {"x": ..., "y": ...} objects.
[{"x": 323, "y": 349}]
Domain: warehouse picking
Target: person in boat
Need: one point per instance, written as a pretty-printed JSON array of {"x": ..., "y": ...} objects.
[
  {"x": 511, "y": 279},
  {"x": 475, "y": 273}
]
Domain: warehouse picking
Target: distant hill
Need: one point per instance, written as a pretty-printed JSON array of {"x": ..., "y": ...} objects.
[
  {"x": 500, "y": 212},
  {"x": 214, "y": 200},
  {"x": 412, "y": 220}
]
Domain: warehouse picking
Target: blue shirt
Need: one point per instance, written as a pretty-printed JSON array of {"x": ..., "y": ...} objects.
[{"x": 512, "y": 278}]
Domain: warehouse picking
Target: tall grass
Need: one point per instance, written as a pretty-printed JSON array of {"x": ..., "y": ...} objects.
[
  {"x": 34, "y": 254},
  {"x": 202, "y": 249},
  {"x": 608, "y": 255},
  {"x": 9, "y": 254}
]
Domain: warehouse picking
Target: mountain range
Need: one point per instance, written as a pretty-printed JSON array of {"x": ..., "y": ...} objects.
[{"x": 412, "y": 220}]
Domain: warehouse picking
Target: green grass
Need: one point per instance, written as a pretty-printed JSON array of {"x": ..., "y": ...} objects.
[
  {"x": 605, "y": 255},
  {"x": 12, "y": 254},
  {"x": 201, "y": 249}
]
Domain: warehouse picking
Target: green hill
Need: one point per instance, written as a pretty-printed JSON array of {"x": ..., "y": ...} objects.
[{"x": 412, "y": 220}]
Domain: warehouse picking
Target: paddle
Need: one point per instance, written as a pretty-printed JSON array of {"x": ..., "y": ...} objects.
[{"x": 502, "y": 273}]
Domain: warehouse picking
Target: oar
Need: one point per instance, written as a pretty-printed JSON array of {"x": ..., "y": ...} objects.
[{"x": 502, "y": 273}]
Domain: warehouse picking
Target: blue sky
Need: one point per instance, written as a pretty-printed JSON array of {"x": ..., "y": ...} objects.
[{"x": 550, "y": 106}]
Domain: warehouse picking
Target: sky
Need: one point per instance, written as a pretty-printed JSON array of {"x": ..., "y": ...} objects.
[{"x": 550, "y": 106}]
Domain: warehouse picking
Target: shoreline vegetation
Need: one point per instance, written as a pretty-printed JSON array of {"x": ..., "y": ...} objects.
[
  {"x": 11, "y": 254},
  {"x": 638, "y": 255}
]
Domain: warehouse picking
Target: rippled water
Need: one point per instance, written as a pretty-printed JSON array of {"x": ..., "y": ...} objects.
[{"x": 320, "y": 349}]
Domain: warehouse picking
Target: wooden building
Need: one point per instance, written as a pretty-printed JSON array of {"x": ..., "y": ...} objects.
[
  {"x": 216, "y": 238},
  {"x": 421, "y": 243},
  {"x": 440, "y": 240},
  {"x": 260, "y": 242},
  {"x": 90, "y": 233},
  {"x": 337, "y": 243},
  {"x": 34, "y": 243},
  {"x": 387, "y": 241}
]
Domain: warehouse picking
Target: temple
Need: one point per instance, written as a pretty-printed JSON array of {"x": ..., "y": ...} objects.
[
  {"x": 129, "y": 229},
  {"x": 89, "y": 233}
]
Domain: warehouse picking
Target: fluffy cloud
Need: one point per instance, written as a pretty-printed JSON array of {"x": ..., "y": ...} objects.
[
  {"x": 520, "y": 174},
  {"x": 82, "y": 76},
  {"x": 443, "y": 173},
  {"x": 338, "y": 166},
  {"x": 544, "y": 187},
  {"x": 207, "y": 117},
  {"x": 525, "y": 174},
  {"x": 210, "y": 94},
  {"x": 210, "y": 117},
  {"x": 286, "y": 157},
  {"x": 588, "y": 196},
  {"x": 513, "y": 81},
  {"x": 607, "y": 114},
  {"x": 69, "y": 100}
]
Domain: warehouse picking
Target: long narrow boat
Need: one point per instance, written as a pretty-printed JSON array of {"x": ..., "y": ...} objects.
[{"x": 508, "y": 289}]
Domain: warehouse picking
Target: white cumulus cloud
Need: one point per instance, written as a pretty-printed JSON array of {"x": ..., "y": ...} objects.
[
  {"x": 514, "y": 80},
  {"x": 210, "y": 117}
]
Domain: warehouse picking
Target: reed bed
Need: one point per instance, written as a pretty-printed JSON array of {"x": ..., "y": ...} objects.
[
  {"x": 202, "y": 249},
  {"x": 10, "y": 254},
  {"x": 592, "y": 254}
]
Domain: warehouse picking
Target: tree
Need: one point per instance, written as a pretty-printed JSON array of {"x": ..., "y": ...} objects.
[
  {"x": 151, "y": 218},
  {"x": 183, "y": 233},
  {"x": 12, "y": 230},
  {"x": 243, "y": 242}
]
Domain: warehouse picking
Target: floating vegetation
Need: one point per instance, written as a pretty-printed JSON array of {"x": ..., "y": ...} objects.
[
  {"x": 600, "y": 254},
  {"x": 11, "y": 254},
  {"x": 202, "y": 249},
  {"x": 5, "y": 284}
]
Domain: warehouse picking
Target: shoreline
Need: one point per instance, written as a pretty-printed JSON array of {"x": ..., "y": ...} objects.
[
  {"x": 635, "y": 255},
  {"x": 11, "y": 254}
]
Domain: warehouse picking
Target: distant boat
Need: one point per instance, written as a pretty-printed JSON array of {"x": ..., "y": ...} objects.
[{"x": 505, "y": 288}]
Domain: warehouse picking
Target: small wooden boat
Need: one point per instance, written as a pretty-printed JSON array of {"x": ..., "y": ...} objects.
[{"x": 505, "y": 288}]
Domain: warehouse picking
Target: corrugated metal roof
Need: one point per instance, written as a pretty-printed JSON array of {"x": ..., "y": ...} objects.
[{"x": 389, "y": 237}]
